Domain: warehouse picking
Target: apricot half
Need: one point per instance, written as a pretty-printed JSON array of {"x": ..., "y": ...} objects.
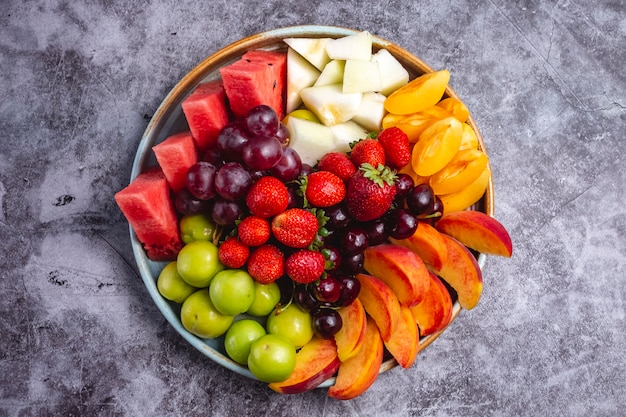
[
  {"x": 465, "y": 167},
  {"x": 436, "y": 146},
  {"x": 419, "y": 94}
]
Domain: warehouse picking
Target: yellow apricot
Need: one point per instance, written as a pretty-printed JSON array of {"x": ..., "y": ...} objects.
[
  {"x": 469, "y": 140},
  {"x": 436, "y": 146},
  {"x": 414, "y": 124},
  {"x": 461, "y": 171},
  {"x": 469, "y": 195},
  {"x": 419, "y": 94},
  {"x": 455, "y": 107}
]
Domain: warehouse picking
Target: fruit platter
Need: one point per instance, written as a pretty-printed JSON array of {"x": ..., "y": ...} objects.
[{"x": 312, "y": 206}]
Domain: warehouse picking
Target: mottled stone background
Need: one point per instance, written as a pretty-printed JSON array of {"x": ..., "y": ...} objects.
[{"x": 79, "y": 334}]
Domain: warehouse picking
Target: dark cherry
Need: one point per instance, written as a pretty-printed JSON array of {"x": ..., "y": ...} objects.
[
  {"x": 326, "y": 322},
  {"x": 332, "y": 255},
  {"x": 338, "y": 217},
  {"x": 376, "y": 232},
  {"x": 421, "y": 200},
  {"x": 404, "y": 184},
  {"x": 350, "y": 288},
  {"x": 401, "y": 224},
  {"x": 304, "y": 298},
  {"x": 352, "y": 264},
  {"x": 353, "y": 240}
]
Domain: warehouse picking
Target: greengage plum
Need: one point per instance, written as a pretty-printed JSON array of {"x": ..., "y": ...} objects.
[
  {"x": 272, "y": 358},
  {"x": 200, "y": 317},
  {"x": 232, "y": 291},
  {"x": 198, "y": 262},
  {"x": 266, "y": 297},
  {"x": 172, "y": 286},
  {"x": 239, "y": 339},
  {"x": 291, "y": 323}
]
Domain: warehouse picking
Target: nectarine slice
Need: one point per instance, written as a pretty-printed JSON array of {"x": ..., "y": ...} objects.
[
  {"x": 401, "y": 269},
  {"x": 404, "y": 341},
  {"x": 419, "y": 94},
  {"x": 359, "y": 372},
  {"x": 477, "y": 230},
  {"x": 435, "y": 311},
  {"x": 381, "y": 303},
  {"x": 427, "y": 243},
  {"x": 350, "y": 338}
]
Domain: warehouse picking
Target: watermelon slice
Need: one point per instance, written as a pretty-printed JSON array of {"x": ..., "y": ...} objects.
[
  {"x": 257, "y": 78},
  {"x": 147, "y": 205},
  {"x": 175, "y": 155},
  {"x": 206, "y": 112}
]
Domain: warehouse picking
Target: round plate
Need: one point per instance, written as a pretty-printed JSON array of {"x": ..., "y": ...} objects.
[{"x": 169, "y": 119}]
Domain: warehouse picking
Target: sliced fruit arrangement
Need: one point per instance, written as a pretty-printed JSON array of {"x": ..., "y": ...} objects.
[{"x": 317, "y": 213}]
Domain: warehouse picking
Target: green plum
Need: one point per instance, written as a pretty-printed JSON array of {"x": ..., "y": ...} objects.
[
  {"x": 232, "y": 291},
  {"x": 292, "y": 323},
  {"x": 266, "y": 297},
  {"x": 196, "y": 227},
  {"x": 198, "y": 262},
  {"x": 172, "y": 286},
  {"x": 272, "y": 358},
  {"x": 240, "y": 337},
  {"x": 200, "y": 317}
]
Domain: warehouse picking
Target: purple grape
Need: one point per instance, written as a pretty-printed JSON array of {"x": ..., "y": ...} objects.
[
  {"x": 213, "y": 156},
  {"x": 186, "y": 203},
  {"x": 295, "y": 199},
  {"x": 232, "y": 181},
  {"x": 226, "y": 212},
  {"x": 401, "y": 224},
  {"x": 282, "y": 134},
  {"x": 262, "y": 120},
  {"x": 262, "y": 153},
  {"x": 326, "y": 322},
  {"x": 421, "y": 200},
  {"x": 350, "y": 288},
  {"x": 201, "y": 180},
  {"x": 306, "y": 169},
  {"x": 353, "y": 240},
  {"x": 288, "y": 166},
  {"x": 230, "y": 142},
  {"x": 327, "y": 289}
]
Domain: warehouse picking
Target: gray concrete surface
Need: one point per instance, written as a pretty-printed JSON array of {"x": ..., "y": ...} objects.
[{"x": 545, "y": 81}]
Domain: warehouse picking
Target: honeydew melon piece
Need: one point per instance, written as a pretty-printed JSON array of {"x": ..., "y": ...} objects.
[
  {"x": 309, "y": 139},
  {"x": 311, "y": 49},
  {"x": 361, "y": 76},
  {"x": 392, "y": 74},
  {"x": 371, "y": 111},
  {"x": 330, "y": 104},
  {"x": 332, "y": 73},
  {"x": 346, "y": 133},
  {"x": 356, "y": 46},
  {"x": 300, "y": 74}
]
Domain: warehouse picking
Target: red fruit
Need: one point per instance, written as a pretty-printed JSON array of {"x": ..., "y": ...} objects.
[
  {"x": 367, "y": 151},
  {"x": 338, "y": 163},
  {"x": 266, "y": 264},
  {"x": 324, "y": 189},
  {"x": 396, "y": 145},
  {"x": 295, "y": 227},
  {"x": 253, "y": 231},
  {"x": 370, "y": 192},
  {"x": 267, "y": 197},
  {"x": 305, "y": 266},
  {"x": 232, "y": 253}
]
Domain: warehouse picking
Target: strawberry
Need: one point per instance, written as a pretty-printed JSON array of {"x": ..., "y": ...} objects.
[
  {"x": 370, "y": 192},
  {"x": 323, "y": 189},
  {"x": 266, "y": 264},
  {"x": 396, "y": 145},
  {"x": 267, "y": 197},
  {"x": 305, "y": 266},
  {"x": 295, "y": 227},
  {"x": 232, "y": 253},
  {"x": 253, "y": 231},
  {"x": 367, "y": 151},
  {"x": 338, "y": 163}
]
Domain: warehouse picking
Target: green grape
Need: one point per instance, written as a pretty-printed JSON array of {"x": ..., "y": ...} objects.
[
  {"x": 232, "y": 291},
  {"x": 171, "y": 285}
]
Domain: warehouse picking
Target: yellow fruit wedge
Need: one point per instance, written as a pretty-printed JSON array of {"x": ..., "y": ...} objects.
[{"x": 419, "y": 94}]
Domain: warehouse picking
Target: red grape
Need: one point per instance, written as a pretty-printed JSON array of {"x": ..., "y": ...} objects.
[
  {"x": 262, "y": 152},
  {"x": 201, "y": 179},
  {"x": 262, "y": 120},
  {"x": 288, "y": 166},
  {"x": 232, "y": 181}
]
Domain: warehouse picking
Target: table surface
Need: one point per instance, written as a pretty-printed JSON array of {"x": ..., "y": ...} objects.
[{"x": 545, "y": 81}]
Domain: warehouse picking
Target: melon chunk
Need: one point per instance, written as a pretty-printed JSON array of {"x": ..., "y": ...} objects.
[
  {"x": 175, "y": 155},
  {"x": 147, "y": 206},
  {"x": 206, "y": 112}
]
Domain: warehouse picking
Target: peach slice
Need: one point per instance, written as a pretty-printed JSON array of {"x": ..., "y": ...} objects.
[
  {"x": 477, "y": 230},
  {"x": 381, "y": 303},
  {"x": 315, "y": 363},
  {"x": 359, "y": 372},
  {"x": 401, "y": 269},
  {"x": 350, "y": 338},
  {"x": 461, "y": 272},
  {"x": 404, "y": 341},
  {"x": 419, "y": 94},
  {"x": 427, "y": 243},
  {"x": 435, "y": 311}
]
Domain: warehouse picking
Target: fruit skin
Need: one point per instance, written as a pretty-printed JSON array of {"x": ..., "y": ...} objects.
[
  {"x": 404, "y": 341},
  {"x": 477, "y": 230},
  {"x": 462, "y": 272},
  {"x": 200, "y": 317},
  {"x": 253, "y": 231},
  {"x": 315, "y": 363},
  {"x": 323, "y": 189},
  {"x": 349, "y": 339},
  {"x": 427, "y": 243},
  {"x": 401, "y": 269},
  {"x": 267, "y": 197},
  {"x": 368, "y": 151},
  {"x": 358, "y": 373},
  {"x": 370, "y": 192},
  {"x": 232, "y": 253},
  {"x": 266, "y": 263},
  {"x": 305, "y": 266},
  {"x": 295, "y": 227},
  {"x": 338, "y": 163},
  {"x": 396, "y": 145},
  {"x": 381, "y": 303},
  {"x": 434, "y": 313},
  {"x": 272, "y": 358}
]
